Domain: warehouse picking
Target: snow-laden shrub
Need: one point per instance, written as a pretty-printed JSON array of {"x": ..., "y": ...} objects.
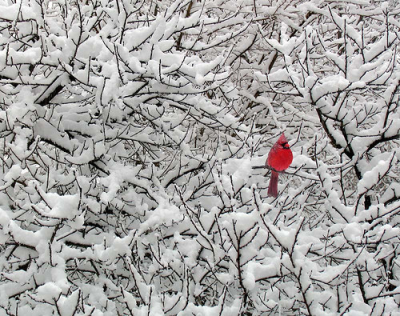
[{"x": 133, "y": 140}]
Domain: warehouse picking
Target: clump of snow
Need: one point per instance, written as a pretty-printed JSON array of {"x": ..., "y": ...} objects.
[{"x": 373, "y": 176}]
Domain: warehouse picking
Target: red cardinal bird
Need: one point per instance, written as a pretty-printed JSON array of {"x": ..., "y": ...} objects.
[{"x": 279, "y": 158}]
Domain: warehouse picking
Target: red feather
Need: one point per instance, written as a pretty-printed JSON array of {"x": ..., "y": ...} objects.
[{"x": 279, "y": 159}]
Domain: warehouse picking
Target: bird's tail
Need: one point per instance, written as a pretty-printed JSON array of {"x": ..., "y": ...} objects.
[{"x": 273, "y": 184}]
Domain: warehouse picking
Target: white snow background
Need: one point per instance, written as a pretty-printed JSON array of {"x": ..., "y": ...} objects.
[{"x": 133, "y": 140}]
